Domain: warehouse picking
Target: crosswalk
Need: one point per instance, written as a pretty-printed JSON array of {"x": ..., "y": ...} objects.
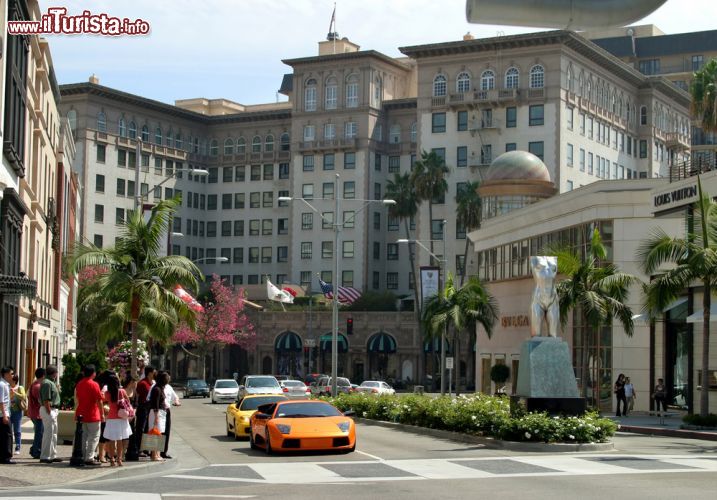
[{"x": 453, "y": 468}]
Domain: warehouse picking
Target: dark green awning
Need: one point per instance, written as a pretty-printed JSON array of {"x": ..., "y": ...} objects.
[
  {"x": 288, "y": 342},
  {"x": 382, "y": 342},
  {"x": 342, "y": 345}
]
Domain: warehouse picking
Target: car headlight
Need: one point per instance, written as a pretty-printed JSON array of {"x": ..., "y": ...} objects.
[
  {"x": 245, "y": 420},
  {"x": 283, "y": 428},
  {"x": 344, "y": 426}
]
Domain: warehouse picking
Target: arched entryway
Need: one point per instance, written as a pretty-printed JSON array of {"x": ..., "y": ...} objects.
[
  {"x": 325, "y": 343},
  {"x": 266, "y": 365},
  {"x": 382, "y": 359},
  {"x": 289, "y": 354}
]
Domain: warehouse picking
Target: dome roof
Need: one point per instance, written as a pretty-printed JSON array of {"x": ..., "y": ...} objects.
[{"x": 517, "y": 165}]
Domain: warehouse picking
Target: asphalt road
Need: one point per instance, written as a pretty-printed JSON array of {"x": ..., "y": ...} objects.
[{"x": 397, "y": 465}]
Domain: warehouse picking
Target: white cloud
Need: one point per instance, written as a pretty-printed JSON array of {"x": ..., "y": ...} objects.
[{"x": 233, "y": 48}]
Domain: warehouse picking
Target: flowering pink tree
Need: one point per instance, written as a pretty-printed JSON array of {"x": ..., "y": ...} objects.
[{"x": 223, "y": 322}]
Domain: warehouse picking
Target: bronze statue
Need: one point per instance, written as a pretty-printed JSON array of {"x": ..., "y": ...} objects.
[{"x": 545, "y": 299}]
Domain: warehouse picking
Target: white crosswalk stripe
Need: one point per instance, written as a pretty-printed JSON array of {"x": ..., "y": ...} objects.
[{"x": 455, "y": 468}]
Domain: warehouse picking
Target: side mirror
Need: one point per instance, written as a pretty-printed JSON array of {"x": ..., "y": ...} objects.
[
  {"x": 349, "y": 413},
  {"x": 262, "y": 416}
]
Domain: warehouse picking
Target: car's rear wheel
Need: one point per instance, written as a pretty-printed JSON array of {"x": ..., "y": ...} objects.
[{"x": 252, "y": 444}]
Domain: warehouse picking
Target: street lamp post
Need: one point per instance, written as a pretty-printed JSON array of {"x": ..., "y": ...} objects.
[
  {"x": 443, "y": 261},
  {"x": 335, "y": 302}
]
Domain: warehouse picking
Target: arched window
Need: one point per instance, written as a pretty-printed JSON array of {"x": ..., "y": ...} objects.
[
  {"x": 214, "y": 147},
  {"x": 599, "y": 94},
  {"x": 463, "y": 82},
  {"x": 256, "y": 144},
  {"x": 394, "y": 134},
  {"x": 101, "y": 122},
  {"x": 570, "y": 85},
  {"x": 269, "y": 143},
  {"x": 145, "y": 133},
  {"x": 414, "y": 132},
  {"x": 178, "y": 141},
  {"x": 620, "y": 108},
  {"x": 487, "y": 80},
  {"x": 581, "y": 84},
  {"x": 228, "y": 146},
  {"x": 512, "y": 78},
  {"x": 643, "y": 115},
  {"x": 627, "y": 112},
  {"x": 589, "y": 89},
  {"x": 241, "y": 146},
  {"x": 377, "y": 92},
  {"x": 310, "y": 95},
  {"x": 378, "y": 132},
  {"x": 168, "y": 138},
  {"x": 331, "y": 93},
  {"x": 613, "y": 103},
  {"x": 121, "y": 127},
  {"x": 158, "y": 136},
  {"x": 352, "y": 91},
  {"x": 72, "y": 118},
  {"x": 285, "y": 142},
  {"x": 537, "y": 77},
  {"x": 439, "y": 86}
]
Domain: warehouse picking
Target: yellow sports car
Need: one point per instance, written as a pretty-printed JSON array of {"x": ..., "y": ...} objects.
[{"x": 238, "y": 413}]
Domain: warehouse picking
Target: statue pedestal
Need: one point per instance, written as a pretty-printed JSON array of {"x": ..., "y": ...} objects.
[{"x": 546, "y": 380}]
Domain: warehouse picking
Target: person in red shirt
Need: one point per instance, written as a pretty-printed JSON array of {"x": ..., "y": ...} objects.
[
  {"x": 33, "y": 412},
  {"x": 91, "y": 412},
  {"x": 140, "y": 420}
]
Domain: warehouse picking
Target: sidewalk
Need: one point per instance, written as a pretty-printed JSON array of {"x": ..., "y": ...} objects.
[
  {"x": 642, "y": 423},
  {"x": 30, "y": 472}
]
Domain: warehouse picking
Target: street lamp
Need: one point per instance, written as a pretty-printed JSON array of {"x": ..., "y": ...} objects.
[
  {"x": 337, "y": 228},
  {"x": 218, "y": 259},
  {"x": 443, "y": 261}
]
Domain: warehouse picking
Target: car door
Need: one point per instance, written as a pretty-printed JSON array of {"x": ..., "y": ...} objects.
[{"x": 259, "y": 425}]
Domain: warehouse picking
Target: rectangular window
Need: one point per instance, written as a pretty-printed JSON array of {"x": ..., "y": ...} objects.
[
  {"x": 329, "y": 161},
  {"x": 255, "y": 174},
  {"x": 283, "y": 194},
  {"x": 441, "y": 152},
  {"x": 240, "y": 174},
  {"x": 569, "y": 155},
  {"x": 327, "y": 249},
  {"x": 211, "y": 229},
  {"x": 158, "y": 166},
  {"x": 237, "y": 279},
  {"x": 253, "y": 259},
  {"x": 97, "y": 240},
  {"x": 100, "y": 184},
  {"x": 629, "y": 145},
  {"x": 131, "y": 159},
  {"x": 305, "y": 278},
  {"x": 376, "y": 250},
  {"x": 329, "y": 131},
  {"x": 377, "y": 162},
  {"x": 391, "y": 281},
  {"x": 328, "y": 190},
  {"x": 266, "y": 255},
  {"x": 226, "y": 228},
  {"x": 582, "y": 160},
  {"x": 101, "y": 152},
  {"x": 697, "y": 62},
  {"x": 376, "y": 190},
  {"x": 145, "y": 162},
  {"x": 307, "y": 191},
  {"x": 486, "y": 154},
  {"x": 99, "y": 213},
  {"x": 254, "y": 227},
  {"x": 590, "y": 128},
  {"x": 462, "y": 156},
  {"x": 308, "y": 163},
  {"x": 582, "y": 123},
  {"x": 226, "y": 254},
  {"x": 121, "y": 158},
  {"x": 537, "y": 115},
  {"x": 349, "y": 190},
  {"x": 376, "y": 281},
  {"x": 227, "y": 201},
  {"x": 436, "y": 229},
  {"x": 227, "y": 174},
  {"x": 510, "y": 146},
  {"x": 283, "y": 170},
  {"x": 239, "y": 200},
  {"x": 394, "y": 164},
  {"x": 267, "y": 227},
  {"x": 347, "y": 278},
  {"x": 238, "y": 228},
  {"x": 438, "y": 123},
  {"x": 211, "y": 201},
  {"x": 349, "y": 219},
  {"x": 348, "y": 249},
  {"x": 349, "y": 161},
  {"x": 267, "y": 199},
  {"x": 307, "y": 220},
  {"x": 327, "y": 220},
  {"x": 309, "y": 133},
  {"x": 282, "y": 254},
  {"x": 350, "y": 130},
  {"x": 305, "y": 250},
  {"x": 511, "y": 117},
  {"x": 393, "y": 223},
  {"x": 590, "y": 163},
  {"x": 392, "y": 251},
  {"x": 570, "y": 186},
  {"x": 254, "y": 200},
  {"x": 649, "y": 66},
  {"x": 570, "y": 113},
  {"x": 536, "y": 148},
  {"x": 643, "y": 148},
  {"x": 119, "y": 215},
  {"x": 377, "y": 221},
  {"x": 462, "y": 118},
  {"x": 157, "y": 192}
]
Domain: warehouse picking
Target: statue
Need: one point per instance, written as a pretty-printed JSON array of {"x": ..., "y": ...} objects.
[{"x": 545, "y": 299}]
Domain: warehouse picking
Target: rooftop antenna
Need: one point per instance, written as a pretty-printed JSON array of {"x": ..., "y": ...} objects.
[{"x": 333, "y": 34}]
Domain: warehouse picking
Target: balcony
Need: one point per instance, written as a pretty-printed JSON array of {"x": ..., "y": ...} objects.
[
  {"x": 438, "y": 102},
  {"x": 508, "y": 94},
  {"x": 536, "y": 94},
  {"x": 323, "y": 145},
  {"x": 705, "y": 161},
  {"x": 484, "y": 123},
  {"x": 677, "y": 140}
]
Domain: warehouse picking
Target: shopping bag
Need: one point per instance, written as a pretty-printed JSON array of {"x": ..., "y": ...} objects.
[{"x": 152, "y": 442}]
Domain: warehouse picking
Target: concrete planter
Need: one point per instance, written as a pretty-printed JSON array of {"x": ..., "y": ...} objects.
[{"x": 65, "y": 426}]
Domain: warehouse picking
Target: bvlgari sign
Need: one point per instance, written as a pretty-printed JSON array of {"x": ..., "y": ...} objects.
[{"x": 675, "y": 196}]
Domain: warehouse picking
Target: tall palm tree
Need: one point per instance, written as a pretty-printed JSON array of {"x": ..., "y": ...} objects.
[
  {"x": 138, "y": 284},
  {"x": 695, "y": 259},
  {"x": 460, "y": 309},
  {"x": 596, "y": 290},
  {"x": 469, "y": 211},
  {"x": 429, "y": 180},
  {"x": 704, "y": 96},
  {"x": 401, "y": 191}
]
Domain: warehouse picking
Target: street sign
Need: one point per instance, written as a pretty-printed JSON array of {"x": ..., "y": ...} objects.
[
  {"x": 309, "y": 342},
  {"x": 449, "y": 363}
]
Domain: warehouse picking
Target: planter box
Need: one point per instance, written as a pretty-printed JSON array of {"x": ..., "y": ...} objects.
[{"x": 65, "y": 426}]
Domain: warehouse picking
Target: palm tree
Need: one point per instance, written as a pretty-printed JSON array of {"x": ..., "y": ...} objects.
[
  {"x": 138, "y": 284},
  {"x": 460, "y": 309},
  {"x": 429, "y": 180},
  {"x": 469, "y": 210},
  {"x": 694, "y": 259},
  {"x": 595, "y": 289},
  {"x": 401, "y": 191},
  {"x": 704, "y": 96}
]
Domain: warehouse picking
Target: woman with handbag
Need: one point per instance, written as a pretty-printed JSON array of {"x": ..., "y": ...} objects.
[
  {"x": 18, "y": 406},
  {"x": 158, "y": 410},
  {"x": 129, "y": 385},
  {"x": 117, "y": 429}
]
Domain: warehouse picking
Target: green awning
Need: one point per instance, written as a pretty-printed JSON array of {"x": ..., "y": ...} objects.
[
  {"x": 288, "y": 342},
  {"x": 382, "y": 342},
  {"x": 342, "y": 345}
]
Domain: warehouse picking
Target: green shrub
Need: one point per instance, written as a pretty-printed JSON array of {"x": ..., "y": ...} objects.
[
  {"x": 72, "y": 366},
  {"x": 708, "y": 421},
  {"x": 499, "y": 373},
  {"x": 477, "y": 414}
]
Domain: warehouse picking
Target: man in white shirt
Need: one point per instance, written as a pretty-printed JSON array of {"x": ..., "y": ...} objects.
[
  {"x": 630, "y": 395},
  {"x": 171, "y": 399},
  {"x": 5, "y": 427}
]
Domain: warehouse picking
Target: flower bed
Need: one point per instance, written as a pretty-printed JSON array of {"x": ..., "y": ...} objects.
[{"x": 479, "y": 415}]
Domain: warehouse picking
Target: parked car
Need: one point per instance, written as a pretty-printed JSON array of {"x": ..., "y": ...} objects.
[
  {"x": 312, "y": 378},
  {"x": 283, "y": 377},
  {"x": 238, "y": 414},
  {"x": 224, "y": 390},
  {"x": 295, "y": 389},
  {"x": 323, "y": 386},
  {"x": 196, "y": 387},
  {"x": 376, "y": 387},
  {"x": 259, "y": 384}
]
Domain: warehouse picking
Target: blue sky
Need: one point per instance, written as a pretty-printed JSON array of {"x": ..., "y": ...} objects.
[{"x": 233, "y": 48}]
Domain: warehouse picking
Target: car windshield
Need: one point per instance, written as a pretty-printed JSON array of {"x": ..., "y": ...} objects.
[
  {"x": 301, "y": 410},
  {"x": 253, "y": 403},
  {"x": 197, "y": 383},
  {"x": 293, "y": 383},
  {"x": 343, "y": 382},
  {"x": 226, "y": 384},
  {"x": 262, "y": 382},
  {"x": 369, "y": 384}
]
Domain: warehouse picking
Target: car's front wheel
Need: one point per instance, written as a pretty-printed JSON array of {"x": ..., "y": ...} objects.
[
  {"x": 269, "y": 451},
  {"x": 230, "y": 433},
  {"x": 252, "y": 444},
  {"x": 236, "y": 428}
]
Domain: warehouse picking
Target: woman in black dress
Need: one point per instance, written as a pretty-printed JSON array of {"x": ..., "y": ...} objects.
[{"x": 620, "y": 393}]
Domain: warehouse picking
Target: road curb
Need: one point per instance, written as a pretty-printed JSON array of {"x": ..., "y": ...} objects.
[
  {"x": 681, "y": 433},
  {"x": 491, "y": 442}
]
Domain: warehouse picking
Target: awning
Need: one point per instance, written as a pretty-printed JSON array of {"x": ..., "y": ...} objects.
[
  {"x": 288, "y": 342},
  {"x": 382, "y": 342},
  {"x": 645, "y": 318},
  {"x": 325, "y": 343},
  {"x": 698, "y": 317},
  {"x": 17, "y": 285}
]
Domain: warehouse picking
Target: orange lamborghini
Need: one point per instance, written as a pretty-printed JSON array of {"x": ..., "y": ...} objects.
[{"x": 302, "y": 425}]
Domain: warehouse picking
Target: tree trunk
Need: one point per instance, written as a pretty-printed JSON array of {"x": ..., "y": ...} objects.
[
  {"x": 704, "y": 393},
  {"x": 465, "y": 261},
  {"x": 134, "y": 318},
  {"x": 584, "y": 358},
  {"x": 456, "y": 360}
]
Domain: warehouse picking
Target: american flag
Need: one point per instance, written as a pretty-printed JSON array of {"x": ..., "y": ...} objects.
[{"x": 347, "y": 295}]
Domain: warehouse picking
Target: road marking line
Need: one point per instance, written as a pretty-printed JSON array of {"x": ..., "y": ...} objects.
[
  {"x": 164, "y": 495},
  {"x": 371, "y": 456},
  {"x": 209, "y": 478}
]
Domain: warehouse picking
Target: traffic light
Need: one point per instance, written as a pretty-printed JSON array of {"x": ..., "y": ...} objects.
[{"x": 349, "y": 326}]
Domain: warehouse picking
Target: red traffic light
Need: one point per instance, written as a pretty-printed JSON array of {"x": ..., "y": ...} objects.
[{"x": 349, "y": 326}]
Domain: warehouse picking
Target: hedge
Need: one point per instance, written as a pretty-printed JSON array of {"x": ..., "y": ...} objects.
[{"x": 477, "y": 414}]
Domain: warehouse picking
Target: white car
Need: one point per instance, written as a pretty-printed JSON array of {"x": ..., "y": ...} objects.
[
  {"x": 376, "y": 387},
  {"x": 225, "y": 390},
  {"x": 259, "y": 384},
  {"x": 295, "y": 389}
]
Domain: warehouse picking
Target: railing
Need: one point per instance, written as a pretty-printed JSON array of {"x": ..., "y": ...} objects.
[
  {"x": 676, "y": 139},
  {"x": 536, "y": 93},
  {"x": 438, "y": 101},
  {"x": 699, "y": 163}
]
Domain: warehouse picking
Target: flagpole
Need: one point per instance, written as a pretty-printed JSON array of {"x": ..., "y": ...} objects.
[{"x": 335, "y": 334}]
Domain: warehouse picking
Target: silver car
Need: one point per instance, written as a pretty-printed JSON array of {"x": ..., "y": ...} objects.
[
  {"x": 224, "y": 390},
  {"x": 295, "y": 389},
  {"x": 259, "y": 384}
]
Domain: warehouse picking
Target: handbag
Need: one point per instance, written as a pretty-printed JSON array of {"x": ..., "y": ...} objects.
[
  {"x": 125, "y": 410},
  {"x": 153, "y": 440}
]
